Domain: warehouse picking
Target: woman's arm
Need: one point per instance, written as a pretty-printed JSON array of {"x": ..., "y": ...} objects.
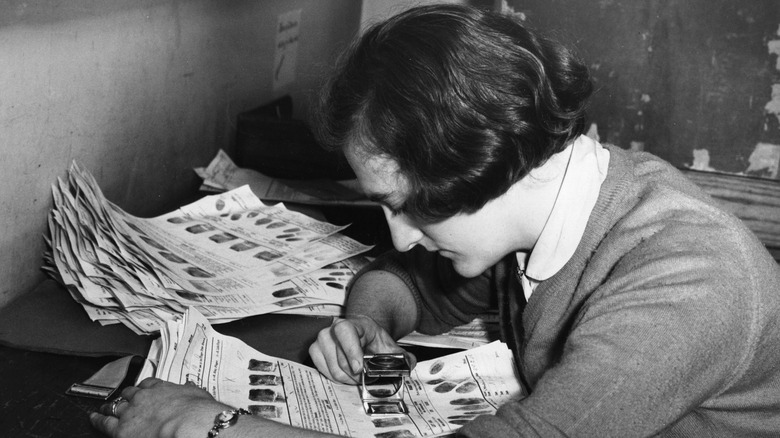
[
  {"x": 380, "y": 309},
  {"x": 159, "y": 409},
  {"x": 385, "y": 298}
]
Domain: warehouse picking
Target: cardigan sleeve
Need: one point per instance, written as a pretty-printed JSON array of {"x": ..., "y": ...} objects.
[
  {"x": 667, "y": 341},
  {"x": 444, "y": 298}
]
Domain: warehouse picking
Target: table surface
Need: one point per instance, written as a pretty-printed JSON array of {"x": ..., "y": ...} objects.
[
  {"x": 33, "y": 402},
  {"x": 32, "y": 389}
]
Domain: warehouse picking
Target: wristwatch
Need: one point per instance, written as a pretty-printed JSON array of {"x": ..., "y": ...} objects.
[{"x": 226, "y": 419}]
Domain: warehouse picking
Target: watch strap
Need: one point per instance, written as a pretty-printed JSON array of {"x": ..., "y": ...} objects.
[{"x": 226, "y": 419}]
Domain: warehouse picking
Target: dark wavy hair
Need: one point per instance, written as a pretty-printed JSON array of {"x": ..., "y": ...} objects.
[{"x": 466, "y": 101}]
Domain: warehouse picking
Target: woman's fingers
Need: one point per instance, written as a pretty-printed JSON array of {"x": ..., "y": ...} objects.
[
  {"x": 152, "y": 407},
  {"x": 149, "y": 382},
  {"x": 350, "y": 343},
  {"x": 338, "y": 351},
  {"x": 104, "y": 423},
  {"x": 105, "y": 409},
  {"x": 412, "y": 359},
  {"x": 130, "y": 392},
  {"x": 328, "y": 355},
  {"x": 316, "y": 356}
]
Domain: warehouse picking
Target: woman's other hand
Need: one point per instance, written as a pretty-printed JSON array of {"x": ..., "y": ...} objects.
[{"x": 156, "y": 408}]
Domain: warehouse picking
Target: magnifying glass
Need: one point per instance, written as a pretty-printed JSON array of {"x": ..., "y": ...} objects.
[{"x": 382, "y": 384}]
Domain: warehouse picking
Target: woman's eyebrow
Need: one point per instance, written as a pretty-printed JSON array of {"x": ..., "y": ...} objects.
[
  {"x": 381, "y": 198},
  {"x": 384, "y": 199}
]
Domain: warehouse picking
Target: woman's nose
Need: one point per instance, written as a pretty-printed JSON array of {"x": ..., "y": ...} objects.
[{"x": 404, "y": 233}]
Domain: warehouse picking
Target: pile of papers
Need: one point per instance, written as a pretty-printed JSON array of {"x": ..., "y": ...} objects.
[
  {"x": 228, "y": 255},
  {"x": 442, "y": 394}
]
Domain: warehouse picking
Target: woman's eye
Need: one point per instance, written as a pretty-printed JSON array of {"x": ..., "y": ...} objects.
[{"x": 390, "y": 210}]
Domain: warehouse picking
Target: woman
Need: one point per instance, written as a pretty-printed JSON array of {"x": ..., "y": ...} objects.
[{"x": 633, "y": 304}]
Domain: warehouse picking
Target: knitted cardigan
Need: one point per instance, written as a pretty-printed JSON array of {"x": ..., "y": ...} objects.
[{"x": 665, "y": 321}]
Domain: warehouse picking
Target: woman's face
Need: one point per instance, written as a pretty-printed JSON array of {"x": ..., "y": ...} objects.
[{"x": 473, "y": 242}]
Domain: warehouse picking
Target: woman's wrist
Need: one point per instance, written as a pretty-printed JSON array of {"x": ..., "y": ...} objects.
[
  {"x": 198, "y": 421},
  {"x": 226, "y": 419}
]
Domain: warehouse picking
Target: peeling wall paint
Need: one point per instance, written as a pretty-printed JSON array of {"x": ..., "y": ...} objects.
[
  {"x": 773, "y": 106},
  {"x": 701, "y": 160},
  {"x": 774, "y": 48},
  {"x": 764, "y": 161},
  {"x": 696, "y": 82}
]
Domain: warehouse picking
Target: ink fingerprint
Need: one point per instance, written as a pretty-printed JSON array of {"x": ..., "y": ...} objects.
[
  {"x": 222, "y": 237},
  {"x": 436, "y": 367},
  {"x": 172, "y": 257},
  {"x": 264, "y": 379},
  {"x": 267, "y": 255},
  {"x": 292, "y": 230},
  {"x": 444, "y": 387},
  {"x": 335, "y": 285},
  {"x": 388, "y": 422},
  {"x": 260, "y": 365},
  {"x": 197, "y": 272},
  {"x": 466, "y": 387},
  {"x": 265, "y": 411},
  {"x": 263, "y": 221},
  {"x": 284, "y": 293},
  {"x": 265, "y": 395},
  {"x": 434, "y": 381},
  {"x": 460, "y": 421},
  {"x": 470, "y": 407},
  {"x": 466, "y": 401},
  {"x": 475, "y": 413},
  {"x": 395, "y": 434}
]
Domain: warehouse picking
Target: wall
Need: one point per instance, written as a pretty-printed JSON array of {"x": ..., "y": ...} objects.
[
  {"x": 696, "y": 82},
  {"x": 138, "y": 93},
  {"x": 377, "y": 10}
]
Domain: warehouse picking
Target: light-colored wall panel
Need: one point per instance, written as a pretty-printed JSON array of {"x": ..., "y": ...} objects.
[{"x": 138, "y": 93}]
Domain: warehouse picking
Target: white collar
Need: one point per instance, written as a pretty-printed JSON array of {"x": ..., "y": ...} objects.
[{"x": 586, "y": 170}]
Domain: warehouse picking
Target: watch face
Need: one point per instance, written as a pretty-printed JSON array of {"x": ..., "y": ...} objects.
[{"x": 226, "y": 416}]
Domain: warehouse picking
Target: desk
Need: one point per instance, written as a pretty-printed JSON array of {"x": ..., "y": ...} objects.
[
  {"x": 69, "y": 348},
  {"x": 33, "y": 402},
  {"x": 32, "y": 394}
]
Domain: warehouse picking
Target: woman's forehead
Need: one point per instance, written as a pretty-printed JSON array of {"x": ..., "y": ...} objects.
[{"x": 379, "y": 176}]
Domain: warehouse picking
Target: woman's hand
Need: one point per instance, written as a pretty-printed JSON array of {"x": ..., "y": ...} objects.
[
  {"x": 338, "y": 351},
  {"x": 156, "y": 408}
]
